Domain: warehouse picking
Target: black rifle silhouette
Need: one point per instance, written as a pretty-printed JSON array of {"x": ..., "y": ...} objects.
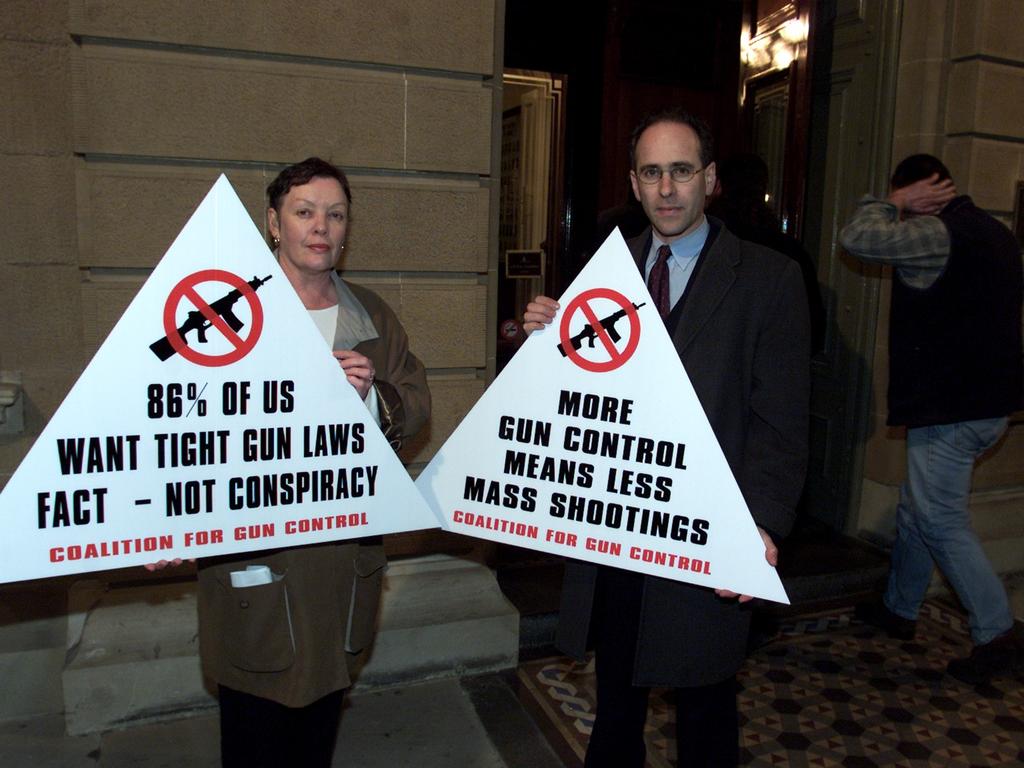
[
  {"x": 589, "y": 332},
  {"x": 197, "y": 321}
]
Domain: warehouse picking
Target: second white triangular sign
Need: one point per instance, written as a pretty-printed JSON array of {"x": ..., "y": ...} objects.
[{"x": 593, "y": 444}]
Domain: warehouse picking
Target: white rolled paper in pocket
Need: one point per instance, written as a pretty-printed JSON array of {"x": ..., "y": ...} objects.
[{"x": 252, "y": 576}]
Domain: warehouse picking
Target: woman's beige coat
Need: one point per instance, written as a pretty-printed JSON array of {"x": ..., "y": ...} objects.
[{"x": 292, "y": 641}]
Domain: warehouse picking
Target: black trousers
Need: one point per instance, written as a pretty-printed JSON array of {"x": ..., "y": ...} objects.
[
  {"x": 707, "y": 725},
  {"x": 260, "y": 733}
]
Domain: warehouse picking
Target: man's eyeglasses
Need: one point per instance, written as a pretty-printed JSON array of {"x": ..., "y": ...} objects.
[{"x": 651, "y": 174}]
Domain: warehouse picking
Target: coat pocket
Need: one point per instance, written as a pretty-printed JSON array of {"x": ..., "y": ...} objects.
[
  {"x": 258, "y": 635},
  {"x": 369, "y": 566}
]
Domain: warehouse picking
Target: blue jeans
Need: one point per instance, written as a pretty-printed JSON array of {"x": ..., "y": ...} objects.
[{"x": 933, "y": 527}]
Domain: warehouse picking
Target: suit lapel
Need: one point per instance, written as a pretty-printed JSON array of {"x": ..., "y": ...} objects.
[
  {"x": 714, "y": 277},
  {"x": 638, "y": 248}
]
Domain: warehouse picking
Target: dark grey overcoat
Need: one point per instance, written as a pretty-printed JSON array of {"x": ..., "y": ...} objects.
[{"x": 744, "y": 341}]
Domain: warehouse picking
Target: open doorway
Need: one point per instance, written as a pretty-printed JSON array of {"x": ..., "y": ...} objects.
[{"x": 532, "y": 200}]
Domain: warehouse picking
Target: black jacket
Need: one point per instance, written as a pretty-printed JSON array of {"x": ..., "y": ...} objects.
[{"x": 955, "y": 347}]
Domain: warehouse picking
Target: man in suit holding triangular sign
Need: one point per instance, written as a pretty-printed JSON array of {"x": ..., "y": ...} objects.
[{"x": 737, "y": 316}]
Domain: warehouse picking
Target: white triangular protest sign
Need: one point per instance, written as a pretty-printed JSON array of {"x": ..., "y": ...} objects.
[
  {"x": 211, "y": 420},
  {"x": 592, "y": 444}
]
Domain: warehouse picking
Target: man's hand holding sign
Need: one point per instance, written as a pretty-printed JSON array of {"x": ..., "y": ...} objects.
[{"x": 771, "y": 556}]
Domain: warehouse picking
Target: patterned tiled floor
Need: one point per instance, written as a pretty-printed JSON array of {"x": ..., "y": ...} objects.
[{"x": 827, "y": 692}]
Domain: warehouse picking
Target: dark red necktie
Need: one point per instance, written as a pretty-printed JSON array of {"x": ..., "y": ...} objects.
[{"x": 657, "y": 281}]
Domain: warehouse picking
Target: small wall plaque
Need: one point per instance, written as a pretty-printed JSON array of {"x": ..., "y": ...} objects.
[{"x": 524, "y": 264}]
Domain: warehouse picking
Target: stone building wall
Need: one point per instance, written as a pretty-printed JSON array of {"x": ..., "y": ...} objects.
[
  {"x": 120, "y": 115},
  {"x": 117, "y": 117}
]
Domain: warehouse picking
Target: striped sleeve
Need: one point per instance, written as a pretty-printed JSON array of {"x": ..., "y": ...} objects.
[{"x": 918, "y": 247}]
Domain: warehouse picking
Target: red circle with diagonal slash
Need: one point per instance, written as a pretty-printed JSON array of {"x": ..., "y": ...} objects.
[
  {"x": 617, "y": 358},
  {"x": 185, "y": 289}
]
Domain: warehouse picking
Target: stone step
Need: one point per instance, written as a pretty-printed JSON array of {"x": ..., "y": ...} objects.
[
  {"x": 33, "y": 628},
  {"x": 996, "y": 515},
  {"x": 134, "y": 653},
  {"x": 1015, "y": 589},
  {"x": 440, "y": 616},
  {"x": 822, "y": 567}
]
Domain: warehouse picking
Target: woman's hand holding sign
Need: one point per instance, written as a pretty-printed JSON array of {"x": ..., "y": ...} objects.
[{"x": 358, "y": 369}]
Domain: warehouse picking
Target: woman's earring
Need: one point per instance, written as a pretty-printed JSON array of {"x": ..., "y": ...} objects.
[{"x": 277, "y": 241}]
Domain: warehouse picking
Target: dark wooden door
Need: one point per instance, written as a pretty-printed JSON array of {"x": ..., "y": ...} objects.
[{"x": 852, "y": 104}]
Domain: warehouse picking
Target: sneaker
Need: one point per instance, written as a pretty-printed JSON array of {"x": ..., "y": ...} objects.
[
  {"x": 878, "y": 615},
  {"x": 988, "y": 660}
]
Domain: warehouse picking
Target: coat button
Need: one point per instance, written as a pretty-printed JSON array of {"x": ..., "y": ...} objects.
[{"x": 243, "y": 604}]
